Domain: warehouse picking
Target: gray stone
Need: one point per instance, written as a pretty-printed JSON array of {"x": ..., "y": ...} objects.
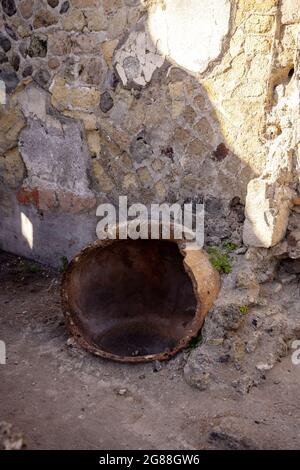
[
  {"x": 53, "y": 3},
  {"x": 65, "y": 7},
  {"x": 38, "y": 47},
  {"x": 15, "y": 62},
  {"x": 23, "y": 49},
  {"x": 3, "y": 58},
  {"x": 5, "y": 42},
  {"x": 11, "y": 32},
  {"x": 106, "y": 102},
  {"x": 140, "y": 148},
  {"x": 10, "y": 79},
  {"x": 28, "y": 70},
  {"x": 9, "y": 7},
  {"x": 42, "y": 77}
]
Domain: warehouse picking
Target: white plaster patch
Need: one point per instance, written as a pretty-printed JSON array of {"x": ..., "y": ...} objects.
[
  {"x": 190, "y": 32},
  {"x": 138, "y": 59}
]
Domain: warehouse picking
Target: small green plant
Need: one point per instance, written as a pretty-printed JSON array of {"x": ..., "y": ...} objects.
[
  {"x": 220, "y": 260},
  {"x": 31, "y": 267},
  {"x": 229, "y": 246},
  {"x": 244, "y": 309},
  {"x": 63, "y": 264},
  {"x": 194, "y": 343}
]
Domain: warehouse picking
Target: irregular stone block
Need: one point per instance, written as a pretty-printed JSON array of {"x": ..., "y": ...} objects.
[
  {"x": 26, "y": 8},
  {"x": 12, "y": 169},
  {"x": 5, "y": 42},
  {"x": 9, "y": 7},
  {"x": 106, "y": 102},
  {"x": 267, "y": 213},
  {"x": 11, "y": 123},
  {"x": 37, "y": 47},
  {"x": 44, "y": 19},
  {"x": 53, "y": 3},
  {"x": 59, "y": 43},
  {"x": 290, "y": 10},
  {"x": 65, "y": 7},
  {"x": 88, "y": 43},
  {"x": 66, "y": 97},
  {"x": 10, "y": 79}
]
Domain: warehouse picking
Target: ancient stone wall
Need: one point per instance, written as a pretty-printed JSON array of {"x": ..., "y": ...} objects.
[{"x": 159, "y": 100}]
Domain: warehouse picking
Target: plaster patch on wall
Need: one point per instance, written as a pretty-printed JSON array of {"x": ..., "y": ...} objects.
[
  {"x": 138, "y": 58},
  {"x": 55, "y": 156},
  {"x": 190, "y": 32}
]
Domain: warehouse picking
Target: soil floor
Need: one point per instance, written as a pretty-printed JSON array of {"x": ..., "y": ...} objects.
[{"x": 61, "y": 397}]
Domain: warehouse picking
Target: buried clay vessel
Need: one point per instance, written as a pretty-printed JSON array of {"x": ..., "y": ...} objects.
[{"x": 138, "y": 300}]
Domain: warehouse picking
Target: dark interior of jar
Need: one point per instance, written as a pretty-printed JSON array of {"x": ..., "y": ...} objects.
[{"x": 132, "y": 298}]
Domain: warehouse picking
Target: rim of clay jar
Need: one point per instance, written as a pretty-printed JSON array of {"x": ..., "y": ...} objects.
[{"x": 206, "y": 286}]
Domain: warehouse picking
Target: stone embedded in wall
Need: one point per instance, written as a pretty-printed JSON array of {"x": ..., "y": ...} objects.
[
  {"x": 269, "y": 198},
  {"x": 10, "y": 78},
  {"x": 91, "y": 71},
  {"x": 140, "y": 147},
  {"x": 59, "y": 43},
  {"x": 96, "y": 20},
  {"x": 53, "y": 3},
  {"x": 38, "y": 46},
  {"x": 3, "y": 58},
  {"x": 74, "y": 21},
  {"x": 106, "y": 102},
  {"x": 267, "y": 213},
  {"x": 108, "y": 49},
  {"x": 26, "y": 8},
  {"x": 290, "y": 10},
  {"x": 4, "y": 42},
  {"x": 44, "y": 19},
  {"x": 11, "y": 123},
  {"x": 27, "y": 71},
  {"x": 65, "y": 7},
  {"x": 9, "y": 7},
  {"x": 102, "y": 180},
  {"x": 12, "y": 169},
  {"x": 15, "y": 62},
  {"x": 66, "y": 97},
  {"x": 87, "y": 43},
  {"x": 11, "y": 33},
  {"x": 21, "y": 27}
]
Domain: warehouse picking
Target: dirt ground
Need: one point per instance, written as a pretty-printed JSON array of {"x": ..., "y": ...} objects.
[{"x": 61, "y": 397}]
